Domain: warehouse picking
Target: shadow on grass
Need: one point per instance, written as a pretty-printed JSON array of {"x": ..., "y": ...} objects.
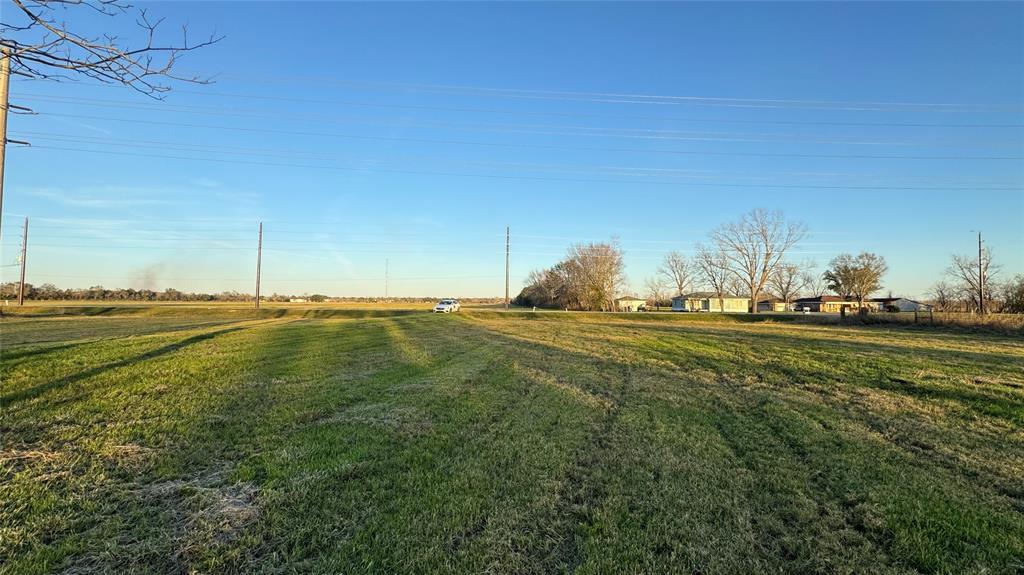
[
  {"x": 212, "y": 312},
  {"x": 36, "y": 391}
]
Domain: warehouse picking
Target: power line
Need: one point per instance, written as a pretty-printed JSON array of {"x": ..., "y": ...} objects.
[
  {"x": 540, "y": 167},
  {"x": 633, "y": 98},
  {"x": 520, "y": 177},
  {"x": 591, "y": 116},
  {"x": 537, "y": 129},
  {"x": 536, "y": 146}
]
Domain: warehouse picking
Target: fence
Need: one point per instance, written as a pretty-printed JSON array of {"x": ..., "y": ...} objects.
[{"x": 1000, "y": 321}]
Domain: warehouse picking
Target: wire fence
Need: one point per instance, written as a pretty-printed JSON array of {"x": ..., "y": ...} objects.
[{"x": 1006, "y": 321}]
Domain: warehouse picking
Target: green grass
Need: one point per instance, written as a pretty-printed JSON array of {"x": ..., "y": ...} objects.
[{"x": 183, "y": 439}]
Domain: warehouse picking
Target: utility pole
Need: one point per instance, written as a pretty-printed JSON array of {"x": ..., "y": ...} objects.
[
  {"x": 24, "y": 252},
  {"x": 259, "y": 262},
  {"x": 386, "y": 278},
  {"x": 981, "y": 279},
  {"x": 506, "y": 266},
  {"x": 5, "y": 77}
]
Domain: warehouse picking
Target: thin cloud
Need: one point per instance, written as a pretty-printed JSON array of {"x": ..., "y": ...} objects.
[{"x": 106, "y": 198}]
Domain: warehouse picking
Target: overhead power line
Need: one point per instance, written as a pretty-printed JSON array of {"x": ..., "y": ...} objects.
[
  {"x": 536, "y": 146},
  {"x": 534, "y": 129},
  {"x": 514, "y": 177},
  {"x": 578, "y": 115},
  {"x": 705, "y": 175},
  {"x": 606, "y": 97}
]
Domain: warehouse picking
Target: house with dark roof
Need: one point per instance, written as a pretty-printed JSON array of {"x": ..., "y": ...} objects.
[
  {"x": 773, "y": 304},
  {"x": 831, "y": 304}
]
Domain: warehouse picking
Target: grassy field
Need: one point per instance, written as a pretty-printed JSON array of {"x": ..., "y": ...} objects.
[{"x": 213, "y": 439}]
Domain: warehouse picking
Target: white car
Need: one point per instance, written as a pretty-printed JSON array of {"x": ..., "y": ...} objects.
[{"x": 447, "y": 306}]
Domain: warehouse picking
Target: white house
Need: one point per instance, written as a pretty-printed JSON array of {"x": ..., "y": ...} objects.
[
  {"x": 627, "y": 303},
  {"x": 900, "y": 304},
  {"x": 709, "y": 301}
]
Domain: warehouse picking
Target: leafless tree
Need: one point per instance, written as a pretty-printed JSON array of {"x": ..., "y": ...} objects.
[
  {"x": 713, "y": 268},
  {"x": 1013, "y": 295},
  {"x": 789, "y": 280},
  {"x": 677, "y": 270},
  {"x": 755, "y": 245},
  {"x": 944, "y": 296},
  {"x": 815, "y": 284},
  {"x": 43, "y": 45},
  {"x": 971, "y": 276},
  {"x": 734, "y": 286},
  {"x": 856, "y": 276},
  {"x": 657, "y": 291}
]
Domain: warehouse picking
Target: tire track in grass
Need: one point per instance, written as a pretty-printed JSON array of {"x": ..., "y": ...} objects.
[
  {"x": 581, "y": 488},
  {"x": 35, "y": 391},
  {"x": 583, "y": 491}
]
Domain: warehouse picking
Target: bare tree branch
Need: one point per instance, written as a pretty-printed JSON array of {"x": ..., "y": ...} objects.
[
  {"x": 676, "y": 270},
  {"x": 970, "y": 276},
  {"x": 43, "y": 47},
  {"x": 755, "y": 245}
]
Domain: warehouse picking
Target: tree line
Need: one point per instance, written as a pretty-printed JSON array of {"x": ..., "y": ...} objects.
[
  {"x": 50, "y": 292},
  {"x": 750, "y": 258}
]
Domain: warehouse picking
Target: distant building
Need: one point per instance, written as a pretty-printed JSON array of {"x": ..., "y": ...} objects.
[
  {"x": 773, "y": 304},
  {"x": 298, "y": 300},
  {"x": 900, "y": 304},
  {"x": 831, "y": 304},
  {"x": 710, "y": 301},
  {"x": 630, "y": 304}
]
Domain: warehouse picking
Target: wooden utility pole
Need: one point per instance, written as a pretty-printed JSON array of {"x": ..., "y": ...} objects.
[
  {"x": 5, "y": 77},
  {"x": 981, "y": 278},
  {"x": 506, "y": 266},
  {"x": 386, "y": 278},
  {"x": 24, "y": 252},
  {"x": 259, "y": 262}
]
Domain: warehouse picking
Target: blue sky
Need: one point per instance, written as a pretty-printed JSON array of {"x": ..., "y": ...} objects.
[{"x": 415, "y": 133}]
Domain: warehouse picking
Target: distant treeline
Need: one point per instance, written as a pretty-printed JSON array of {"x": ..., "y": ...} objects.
[{"x": 9, "y": 291}]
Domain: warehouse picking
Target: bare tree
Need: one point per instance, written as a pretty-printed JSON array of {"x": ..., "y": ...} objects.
[
  {"x": 597, "y": 271},
  {"x": 713, "y": 268},
  {"x": 1013, "y": 295},
  {"x": 677, "y": 270},
  {"x": 43, "y": 45},
  {"x": 789, "y": 280},
  {"x": 972, "y": 275},
  {"x": 815, "y": 284},
  {"x": 755, "y": 245},
  {"x": 944, "y": 296},
  {"x": 856, "y": 276},
  {"x": 734, "y": 286},
  {"x": 657, "y": 291}
]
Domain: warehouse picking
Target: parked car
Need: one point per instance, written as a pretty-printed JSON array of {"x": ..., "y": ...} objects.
[{"x": 447, "y": 306}]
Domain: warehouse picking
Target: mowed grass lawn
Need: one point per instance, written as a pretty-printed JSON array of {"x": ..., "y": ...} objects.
[{"x": 506, "y": 443}]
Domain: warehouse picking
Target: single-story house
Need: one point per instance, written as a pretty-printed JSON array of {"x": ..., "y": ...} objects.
[
  {"x": 831, "y": 304},
  {"x": 627, "y": 303},
  {"x": 710, "y": 301},
  {"x": 773, "y": 304},
  {"x": 900, "y": 304},
  {"x": 298, "y": 300}
]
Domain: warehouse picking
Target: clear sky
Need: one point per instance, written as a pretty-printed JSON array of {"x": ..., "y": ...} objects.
[{"x": 415, "y": 133}]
